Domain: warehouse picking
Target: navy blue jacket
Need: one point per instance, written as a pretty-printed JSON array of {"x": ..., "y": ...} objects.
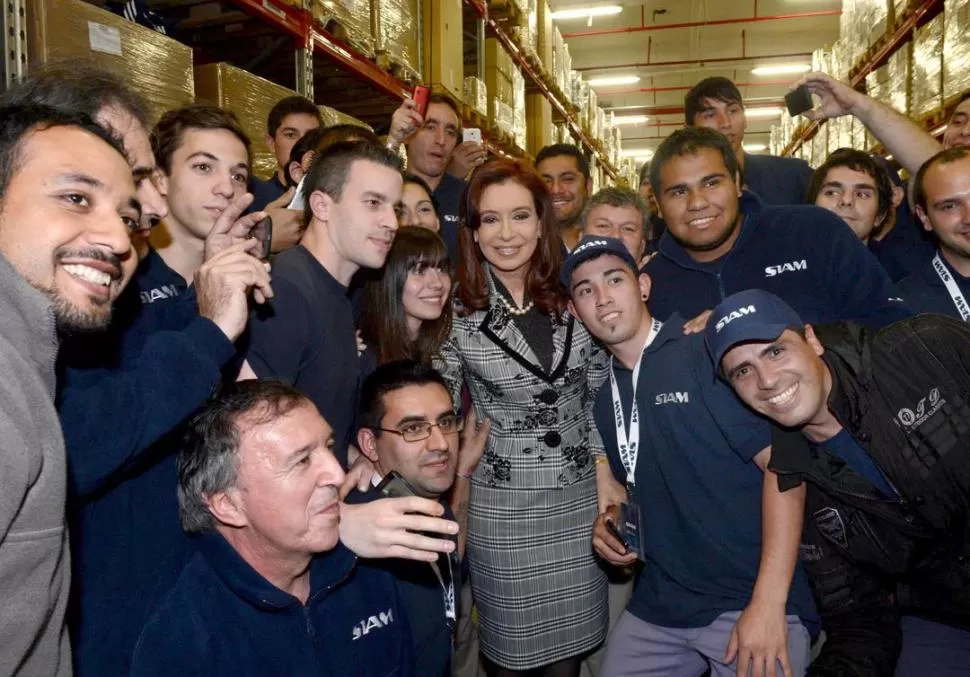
[
  {"x": 120, "y": 395},
  {"x": 925, "y": 292},
  {"x": 905, "y": 249},
  {"x": 224, "y": 618},
  {"x": 448, "y": 194},
  {"x": 806, "y": 255},
  {"x": 265, "y": 192},
  {"x": 777, "y": 180}
]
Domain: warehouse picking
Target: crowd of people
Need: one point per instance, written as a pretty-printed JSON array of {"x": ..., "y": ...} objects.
[{"x": 458, "y": 415}]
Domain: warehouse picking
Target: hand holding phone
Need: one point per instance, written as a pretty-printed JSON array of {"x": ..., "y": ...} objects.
[
  {"x": 263, "y": 231},
  {"x": 799, "y": 100},
  {"x": 471, "y": 135},
  {"x": 422, "y": 96}
]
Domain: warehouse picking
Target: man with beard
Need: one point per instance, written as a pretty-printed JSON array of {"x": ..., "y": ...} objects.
[
  {"x": 565, "y": 171},
  {"x": 942, "y": 197},
  {"x": 721, "y": 240},
  {"x": 877, "y": 425},
  {"x": 63, "y": 171}
]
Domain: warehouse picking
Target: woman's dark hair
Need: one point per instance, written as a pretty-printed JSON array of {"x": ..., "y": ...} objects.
[
  {"x": 542, "y": 281},
  {"x": 418, "y": 181},
  {"x": 383, "y": 324}
]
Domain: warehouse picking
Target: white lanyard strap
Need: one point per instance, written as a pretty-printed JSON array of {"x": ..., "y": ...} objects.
[
  {"x": 628, "y": 444},
  {"x": 951, "y": 286}
]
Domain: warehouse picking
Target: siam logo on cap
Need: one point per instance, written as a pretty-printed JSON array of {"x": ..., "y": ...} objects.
[
  {"x": 589, "y": 244},
  {"x": 732, "y": 316}
]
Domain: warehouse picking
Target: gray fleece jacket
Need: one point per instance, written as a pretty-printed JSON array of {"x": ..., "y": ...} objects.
[{"x": 34, "y": 557}]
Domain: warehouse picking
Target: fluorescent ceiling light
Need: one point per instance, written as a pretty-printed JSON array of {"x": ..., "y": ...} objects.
[
  {"x": 782, "y": 69},
  {"x": 761, "y": 112},
  {"x": 637, "y": 153},
  {"x": 939, "y": 130},
  {"x": 630, "y": 119},
  {"x": 614, "y": 80},
  {"x": 587, "y": 12},
  {"x": 755, "y": 147}
]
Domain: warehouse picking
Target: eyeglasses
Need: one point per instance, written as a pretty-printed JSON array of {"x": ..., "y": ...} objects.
[{"x": 416, "y": 431}]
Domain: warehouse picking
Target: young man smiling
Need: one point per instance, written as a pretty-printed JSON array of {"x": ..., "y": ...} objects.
[
  {"x": 878, "y": 427},
  {"x": 565, "y": 171},
  {"x": 61, "y": 171},
  {"x": 720, "y": 240},
  {"x": 306, "y": 335},
  {"x": 716, "y": 103},
  {"x": 693, "y": 459},
  {"x": 942, "y": 197}
]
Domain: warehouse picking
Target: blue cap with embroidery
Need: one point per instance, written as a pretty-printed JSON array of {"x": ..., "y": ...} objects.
[
  {"x": 750, "y": 315},
  {"x": 589, "y": 248}
]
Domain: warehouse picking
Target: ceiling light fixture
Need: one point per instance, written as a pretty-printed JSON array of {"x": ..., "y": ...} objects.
[
  {"x": 754, "y": 147},
  {"x": 761, "y": 112},
  {"x": 587, "y": 12},
  {"x": 637, "y": 153},
  {"x": 630, "y": 119},
  {"x": 782, "y": 69},
  {"x": 612, "y": 80}
]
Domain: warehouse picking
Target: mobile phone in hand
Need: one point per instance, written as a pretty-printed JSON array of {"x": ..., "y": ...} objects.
[
  {"x": 472, "y": 134},
  {"x": 263, "y": 231},
  {"x": 421, "y": 97},
  {"x": 395, "y": 486},
  {"x": 799, "y": 100}
]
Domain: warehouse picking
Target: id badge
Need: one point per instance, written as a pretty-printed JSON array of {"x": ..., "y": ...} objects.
[{"x": 630, "y": 528}]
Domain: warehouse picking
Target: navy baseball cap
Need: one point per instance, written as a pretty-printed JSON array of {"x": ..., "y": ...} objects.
[
  {"x": 589, "y": 248},
  {"x": 751, "y": 315}
]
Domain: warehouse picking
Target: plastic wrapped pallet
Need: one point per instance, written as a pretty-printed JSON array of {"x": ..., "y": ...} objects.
[
  {"x": 498, "y": 73},
  {"x": 157, "y": 67},
  {"x": 248, "y": 96},
  {"x": 349, "y": 20},
  {"x": 956, "y": 42},
  {"x": 476, "y": 94},
  {"x": 819, "y": 146},
  {"x": 518, "y": 108},
  {"x": 527, "y": 32},
  {"x": 853, "y": 13},
  {"x": 880, "y": 20},
  {"x": 502, "y": 116},
  {"x": 397, "y": 33},
  {"x": 539, "y": 128},
  {"x": 926, "y": 96},
  {"x": 332, "y": 116},
  {"x": 890, "y": 83},
  {"x": 545, "y": 37}
]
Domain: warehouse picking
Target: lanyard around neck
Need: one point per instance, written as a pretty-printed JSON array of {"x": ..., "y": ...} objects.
[
  {"x": 951, "y": 286},
  {"x": 628, "y": 444}
]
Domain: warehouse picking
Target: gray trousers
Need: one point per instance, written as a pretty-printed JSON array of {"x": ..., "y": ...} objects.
[
  {"x": 933, "y": 649},
  {"x": 640, "y": 649}
]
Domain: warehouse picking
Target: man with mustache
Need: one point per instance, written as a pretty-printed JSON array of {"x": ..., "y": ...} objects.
[
  {"x": 271, "y": 590},
  {"x": 565, "y": 171},
  {"x": 65, "y": 172},
  {"x": 408, "y": 426},
  {"x": 876, "y": 425}
]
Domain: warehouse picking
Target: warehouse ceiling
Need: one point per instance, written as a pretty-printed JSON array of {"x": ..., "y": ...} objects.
[{"x": 672, "y": 44}]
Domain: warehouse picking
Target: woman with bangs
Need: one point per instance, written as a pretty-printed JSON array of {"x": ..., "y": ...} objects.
[
  {"x": 532, "y": 370},
  {"x": 406, "y": 311}
]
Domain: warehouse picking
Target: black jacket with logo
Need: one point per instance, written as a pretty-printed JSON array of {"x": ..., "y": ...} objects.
[{"x": 903, "y": 393}]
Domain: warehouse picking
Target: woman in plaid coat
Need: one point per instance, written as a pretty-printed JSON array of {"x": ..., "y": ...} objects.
[{"x": 532, "y": 370}]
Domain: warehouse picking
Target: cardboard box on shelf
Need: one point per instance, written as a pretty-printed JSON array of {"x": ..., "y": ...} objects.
[
  {"x": 156, "y": 66},
  {"x": 443, "y": 57},
  {"x": 890, "y": 83},
  {"x": 546, "y": 39},
  {"x": 332, "y": 116},
  {"x": 538, "y": 122},
  {"x": 250, "y": 97}
]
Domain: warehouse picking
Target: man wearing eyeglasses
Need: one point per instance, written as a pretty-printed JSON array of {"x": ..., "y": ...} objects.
[{"x": 410, "y": 432}]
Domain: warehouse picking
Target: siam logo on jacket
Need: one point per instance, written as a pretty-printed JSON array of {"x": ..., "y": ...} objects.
[
  {"x": 366, "y": 625},
  {"x": 789, "y": 267},
  {"x": 166, "y": 291},
  {"x": 672, "y": 398},
  {"x": 925, "y": 408}
]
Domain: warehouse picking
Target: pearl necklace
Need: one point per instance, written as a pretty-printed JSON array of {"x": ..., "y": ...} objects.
[{"x": 513, "y": 310}]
